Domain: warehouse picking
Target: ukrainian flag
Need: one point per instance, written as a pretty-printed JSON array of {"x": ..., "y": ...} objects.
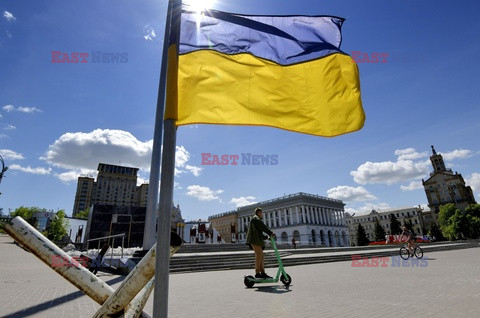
[{"x": 286, "y": 72}]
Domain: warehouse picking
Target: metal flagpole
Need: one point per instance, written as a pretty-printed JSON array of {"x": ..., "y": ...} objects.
[
  {"x": 152, "y": 199},
  {"x": 162, "y": 261},
  {"x": 162, "y": 264}
]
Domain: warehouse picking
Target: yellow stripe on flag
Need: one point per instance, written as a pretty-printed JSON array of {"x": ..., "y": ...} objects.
[{"x": 319, "y": 97}]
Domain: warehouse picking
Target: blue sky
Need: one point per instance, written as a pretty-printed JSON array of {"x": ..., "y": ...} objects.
[{"x": 59, "y": 120}]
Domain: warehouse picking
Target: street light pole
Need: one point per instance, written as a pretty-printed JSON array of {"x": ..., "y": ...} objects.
[{"x": 4, "y": 169}]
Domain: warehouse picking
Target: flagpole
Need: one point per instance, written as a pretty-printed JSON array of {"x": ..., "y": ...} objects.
[
  {"x": 162, "y": 259},
  {"x": 162, "y": 264},
  {"x": 152, "y": 198}
]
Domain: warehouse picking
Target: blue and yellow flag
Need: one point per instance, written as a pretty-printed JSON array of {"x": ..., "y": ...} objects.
[{"x": 280, "y": 71}]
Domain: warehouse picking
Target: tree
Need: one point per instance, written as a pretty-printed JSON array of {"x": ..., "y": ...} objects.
[
  {"x": 456, "y": 224},
  {"x": 25, "y": 213},
  {"x": 394, "y": 225},
  {"x": 362, "y": 239},
  {"x": 473, "y": 210},
  {"x": 435, "y": 232},
  {"x": 58, "y": 226},
  {"x": 379, "y": 231},
  {"x": 409, "y": 226},
  {"x": 83, "y": 214},
  {"x": 445, "y": 213}
]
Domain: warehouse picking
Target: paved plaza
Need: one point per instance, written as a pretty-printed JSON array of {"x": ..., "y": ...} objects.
[{"x": 445, "y": 284}]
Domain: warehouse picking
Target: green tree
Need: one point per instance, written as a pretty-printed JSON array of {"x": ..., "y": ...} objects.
[
  {"x": 83, "y": 214},
  {"x": 58, "y": 226},
  {"x": 26, "y": 213},
  {"x": 379, "y": 231},
  {"x": 435, "y": 232},
  {"x": 362, "y": 239},
  {"x": 473, "y": 210},
  {"x": 394, "y": 225},
  {"x": 445, "y": 213},
  {"x": 475, "y": 226}
]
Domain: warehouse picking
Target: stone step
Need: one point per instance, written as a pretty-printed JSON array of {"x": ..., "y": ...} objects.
[{"x": 188, "y": 262}]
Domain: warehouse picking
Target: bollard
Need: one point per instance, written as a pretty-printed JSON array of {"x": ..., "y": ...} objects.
[
  {"x": 46, "y": 250},
  {"x": 130, "y": 297},
  {"x": 134, "y": 309},
  {"x": 135, "y": 281}
]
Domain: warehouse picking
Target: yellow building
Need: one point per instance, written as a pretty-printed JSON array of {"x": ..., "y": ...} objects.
[{"x": 226, "y": 224}]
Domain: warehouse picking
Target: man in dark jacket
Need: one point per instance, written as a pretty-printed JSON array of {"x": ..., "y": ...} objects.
[{"x": 255, "y": 240}]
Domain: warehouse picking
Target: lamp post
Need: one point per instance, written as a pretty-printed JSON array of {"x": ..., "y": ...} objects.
[{"x": 3, "y": 170}]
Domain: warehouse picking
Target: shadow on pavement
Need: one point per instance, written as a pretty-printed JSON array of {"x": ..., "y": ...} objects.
[
  {"x": 34, "y": 310},
  {"x": 273, "y": 289}
]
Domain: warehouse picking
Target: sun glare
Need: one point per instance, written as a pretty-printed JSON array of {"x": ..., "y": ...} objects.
[{"x": 199, "y": 5}]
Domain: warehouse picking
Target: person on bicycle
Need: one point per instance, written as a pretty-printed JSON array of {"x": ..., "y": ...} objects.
[{"x": 410, "y": 239}]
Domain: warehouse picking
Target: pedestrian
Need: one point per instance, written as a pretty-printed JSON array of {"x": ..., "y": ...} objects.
[
  {"x": 255, "y": 239},
  {"x": 294, "y": 243}
]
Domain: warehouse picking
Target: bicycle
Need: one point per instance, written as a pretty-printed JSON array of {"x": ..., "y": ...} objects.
[{"x": 406, "y": 254}]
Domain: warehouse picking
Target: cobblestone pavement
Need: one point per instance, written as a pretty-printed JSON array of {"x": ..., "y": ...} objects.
[{"x": 443, "y": 284}]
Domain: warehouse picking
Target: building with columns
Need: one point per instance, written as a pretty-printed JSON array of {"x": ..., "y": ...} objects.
[{"x": 309, "y": 218}]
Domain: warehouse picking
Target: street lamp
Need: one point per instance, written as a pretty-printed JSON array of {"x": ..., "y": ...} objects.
[{"x": 3, "y": 169}]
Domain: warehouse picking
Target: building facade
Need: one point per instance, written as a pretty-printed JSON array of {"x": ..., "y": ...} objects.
[
  {"x": 310, "y": 219},
  {"x": 403, "y": 215},
  {"x": 115, "y": 185},
  {"x": 443, "y": 186},
  {"x": 226, "y": 224},
  {"x": 200, "y": 232},
  {"x": 107, "y": 220}
]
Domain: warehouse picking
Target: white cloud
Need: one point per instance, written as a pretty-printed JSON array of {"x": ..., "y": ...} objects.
[
  {"x": 347, "y": 194},
  {"x": 203, "y": 193},
  {"x": 21, "y": 109},
  {"x": 9, "y": 108},
  {"x": 457, "y": 154},
  {"x": 243, "y": 201},
  {"x": 413, "y": 185},
  {"x": 10, "y": 127},
  {"x": 10, "y": 154},
  {"x": 73, "y": 175},
  {"x": 75, "y": 151},
  {"x": 388, "y": 172},
  {"x": 149, "y": 33},
  {"x": 182, "y": 156},
  {"x": 79, "y": 152},
  {"x": 409, "y": 154},
  {"x": 474, "y": 182},
  {"x": 367, "y": 208},
  {"x": 3, "y": 136},
  {"x": 39, "y": 170},
  {"x": 7, "y": 15},
  {"x": 194, "y": 170},
  {"x": 29, "y": 109}
]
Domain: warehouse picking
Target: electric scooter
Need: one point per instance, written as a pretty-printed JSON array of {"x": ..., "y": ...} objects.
[{"x": 249, "y": 280}]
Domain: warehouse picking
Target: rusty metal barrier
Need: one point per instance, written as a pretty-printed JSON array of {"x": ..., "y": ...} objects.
[{"x": 127, "y": 300}]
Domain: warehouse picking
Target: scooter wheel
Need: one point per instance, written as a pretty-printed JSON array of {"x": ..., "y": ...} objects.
[
  {"x": 249, "y": 281},
  {"x": 286, "y": 279}
]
